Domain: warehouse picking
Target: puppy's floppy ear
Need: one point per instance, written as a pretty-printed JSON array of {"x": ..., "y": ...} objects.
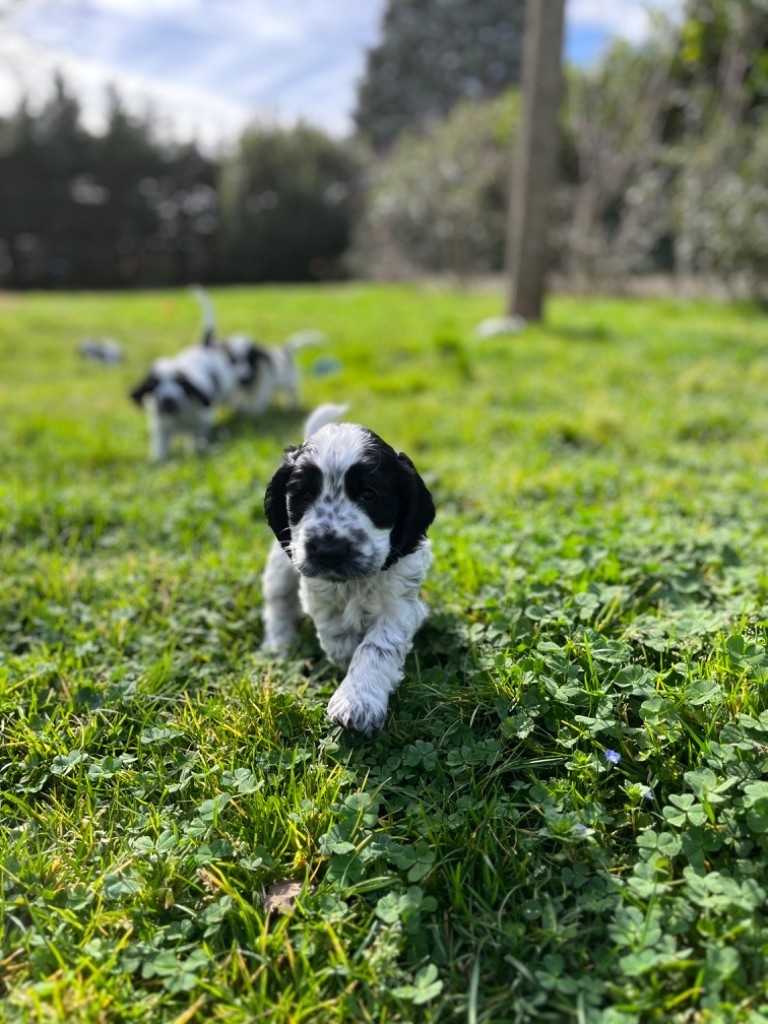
[
  {"x": 276, "y": 500},
  {"x": 257, "y": 357},
  {"x": 249, "y": 365},
  {"x": 148, "y": 385},
  {"x": 192, "y": 390},
  {"x": 415, "y": 512},
  {"x": 253, "y": 357}
]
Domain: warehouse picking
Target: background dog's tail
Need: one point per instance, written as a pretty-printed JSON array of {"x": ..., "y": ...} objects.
[
  {"x": 209, "y": 316},
  {"x": 303, "y": 339},
  {"x": 323, "y": 415}
]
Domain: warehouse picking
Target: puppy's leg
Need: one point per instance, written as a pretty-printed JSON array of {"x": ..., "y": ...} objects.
[
  {"x": 159, "y": 436},
  {"x": 202, "y": 431},
  {"x": 280, "y": 587},
  {"x": 376, "y": 669}
]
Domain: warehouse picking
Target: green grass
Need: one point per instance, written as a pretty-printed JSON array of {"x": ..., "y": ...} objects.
[{"x": 599, "y": 584}]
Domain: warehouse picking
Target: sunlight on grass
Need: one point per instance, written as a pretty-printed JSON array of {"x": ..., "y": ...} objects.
[{"x": 566, "y": 815}]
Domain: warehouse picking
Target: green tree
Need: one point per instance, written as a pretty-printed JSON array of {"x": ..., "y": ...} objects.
[
  {"x": 432, "y": 54},
  {"x": 438, "y": 200},
  {"x": 619, "y": 196},
  {"x": 722, "y": 61},
  {"x": 666, "y": 141},
  {"x": 286, "y": 200}
]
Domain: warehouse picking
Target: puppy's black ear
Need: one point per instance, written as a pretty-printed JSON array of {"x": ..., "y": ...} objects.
[
  {"x": 148, "y": 385},
  {"x": 276, "y": 500},
  {"x": 415, "y": 512},
  {"x": 257, "y": 358},
  {"x": 248, "y": 366},
  {"x": 193, "y": 391}
]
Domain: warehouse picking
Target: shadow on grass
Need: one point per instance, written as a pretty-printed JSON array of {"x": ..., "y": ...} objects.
[
  {"x": 278, "y": 423},
  {"x": 592, "y": 333}
]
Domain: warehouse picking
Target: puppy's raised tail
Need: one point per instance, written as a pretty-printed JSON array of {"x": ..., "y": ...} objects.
[
  {"x": 323, "y": 415},
  {"x": 209, "y": 316}
]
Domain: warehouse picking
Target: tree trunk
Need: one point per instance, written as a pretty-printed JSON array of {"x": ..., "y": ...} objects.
[{"x": 535, "y": 158}]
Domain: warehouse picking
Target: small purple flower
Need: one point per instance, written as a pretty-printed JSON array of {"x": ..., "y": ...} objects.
[
  {"x": 612, "y": 756},
  {"x": 648, "y": 795}
]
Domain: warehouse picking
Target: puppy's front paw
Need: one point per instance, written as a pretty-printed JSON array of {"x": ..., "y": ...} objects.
[
  {"x": 279, "y": 637},
  {"x": 278, "y": 649},
  {"x": 362, "y": 712}
]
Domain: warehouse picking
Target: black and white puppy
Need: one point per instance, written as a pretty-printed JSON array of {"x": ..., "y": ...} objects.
[
  {"x": 180, "y": 394},
  {"x": 350, "y": 516},
  {"x": 262, "y": 371}
]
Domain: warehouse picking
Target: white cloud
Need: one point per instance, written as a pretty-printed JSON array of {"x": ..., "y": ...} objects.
[
  {"x": 138, "y": 8},
  {"x": 630, "y": 19},
  {"x": 207, "y": 68},
  {"x": 181, "y": 112}
]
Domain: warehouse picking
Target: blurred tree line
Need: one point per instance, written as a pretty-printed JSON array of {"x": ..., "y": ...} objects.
[
  {"x": 663, "y": 167},
  {"x": 122, "y": 208},
  {"x": 81, "y": 209}
]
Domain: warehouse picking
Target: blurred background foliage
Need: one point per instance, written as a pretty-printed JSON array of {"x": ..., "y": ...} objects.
[
  {"x": 122, "y": 208},
  {"x": 438, "y": 201},
  {"x": 286, "y": 200},
  {"x": 662, "y": 147},
  {"x": 663, "y": 168}
]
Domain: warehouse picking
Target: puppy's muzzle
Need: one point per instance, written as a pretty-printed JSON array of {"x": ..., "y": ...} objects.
[
  {"x": 168, "y": 405},
  {"x": 329, "y": 552}
]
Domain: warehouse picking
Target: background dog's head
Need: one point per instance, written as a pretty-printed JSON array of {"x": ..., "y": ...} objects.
[
  {"x": 345, "y": 505},
  {"x": 247, "y": 358},
  {"x": 174, "y": 394}
]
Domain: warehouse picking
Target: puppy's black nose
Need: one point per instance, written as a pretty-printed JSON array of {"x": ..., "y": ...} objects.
[
  {"x": 168, "y": 405},
  {"x": 329, "y": 550}
]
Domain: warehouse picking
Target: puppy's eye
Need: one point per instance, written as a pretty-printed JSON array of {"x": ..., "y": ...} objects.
[
  {"x": 368, "y": 494},
  {"x": 301, "y": 494}
]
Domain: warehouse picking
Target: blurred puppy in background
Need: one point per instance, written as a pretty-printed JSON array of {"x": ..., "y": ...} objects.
[
  {"x": 261, "y": 371},
  {"x": 180, "y": 395}
]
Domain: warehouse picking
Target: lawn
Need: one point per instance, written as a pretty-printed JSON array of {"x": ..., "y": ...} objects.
[{"x": 566, "y": 816}]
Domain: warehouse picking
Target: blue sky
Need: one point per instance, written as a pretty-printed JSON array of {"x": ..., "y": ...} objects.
[{"x": 207, "y": 67}]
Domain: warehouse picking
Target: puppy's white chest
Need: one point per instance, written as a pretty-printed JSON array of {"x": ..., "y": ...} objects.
[
  {"x": 343, "y": 613},
  {"x": 340, "y": 609}
]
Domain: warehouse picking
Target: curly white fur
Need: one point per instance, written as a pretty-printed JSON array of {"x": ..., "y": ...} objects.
[{"x": 364, "y": 626}]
